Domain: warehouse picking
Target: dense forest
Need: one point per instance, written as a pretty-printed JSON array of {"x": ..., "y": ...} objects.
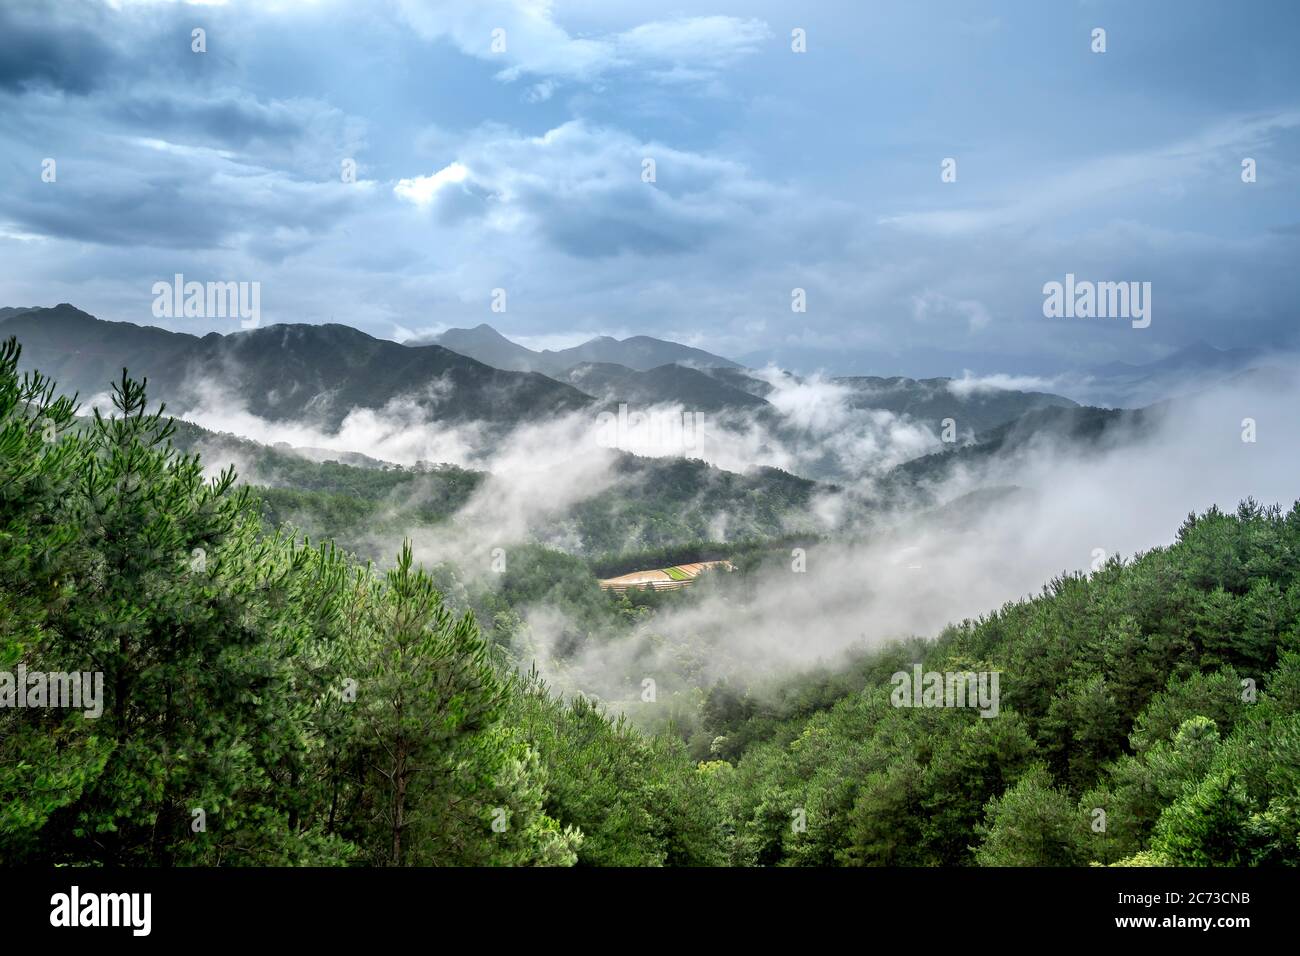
[
  {"x": 269, "y": 699},
  {"x": 653, "y": 505}
]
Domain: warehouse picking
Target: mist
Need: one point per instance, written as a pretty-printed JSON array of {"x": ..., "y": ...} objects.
[
  {"x": 1056, "y": 512},
  {"x": 537, "y": 471},
  {"x": 1050, "y": 508}
]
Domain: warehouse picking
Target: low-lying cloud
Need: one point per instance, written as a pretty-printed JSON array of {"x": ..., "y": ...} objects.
[{"x": 1049, "y": 509}]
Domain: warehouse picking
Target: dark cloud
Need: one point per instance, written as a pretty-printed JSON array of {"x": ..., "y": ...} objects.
[
  {"x": 192, "y": 202},
  {"x": 42, "y": 49},
  {"x": 781, "y": 171},
  {"x": 226, "y": 118},
  {"x": 160, "y": 213},
  {"x": 614, "y": 224}
]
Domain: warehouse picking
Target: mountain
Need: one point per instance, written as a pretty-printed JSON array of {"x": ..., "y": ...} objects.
[
  {"x": 490, "y": 347},
  {"x": 744, "y": 380},
  {"x": 927, "y": 400},
  {"x": 1188, "y": 369},
  {"x": 931, "y": 400},
  {"x": 1197, "y": 357},
  {"x": 653, "y": 503},
  {"x": 667, "y": 384},
  {"x": 623, "y": 371},
  {"x": 1116, "y": 384},
  {"x": 640, "y": 352},
  {"x": 1078, "y": 427},
  {"x": 918, "y": 363},
  {"x": 283, "y": 372},
  {"x": 84, "y": 354}
]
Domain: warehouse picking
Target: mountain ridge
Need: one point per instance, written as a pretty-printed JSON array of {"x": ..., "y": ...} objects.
[
  {"x": 641, "y": 353},
  {"x": 287, "y": 371}
]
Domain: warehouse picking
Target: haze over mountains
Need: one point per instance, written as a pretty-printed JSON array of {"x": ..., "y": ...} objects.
[
  {"x": 640, "y": 352},
  {"x": 851, "y": 470},
  {"x": 313, "y": 377},
  {"x": 323, "y": 371},
  {"x": 281, "y": 372},
  {"x": 1120, "y": 384}
]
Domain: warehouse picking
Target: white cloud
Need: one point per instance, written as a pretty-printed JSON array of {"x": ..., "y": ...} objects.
[
  {"x": 540, "y": 92},
  {"x": 702, "y": 43},
  {"x": 1103, "y": 179},
  {"x": 931, "y": 306},
  {"x": 914, "y": 573},
  {"x": 535, "y": 44},
  {"x": 970, "y": 384},
  {"x": 422, "y": 190},
  {"x": 579, "y": 188}
]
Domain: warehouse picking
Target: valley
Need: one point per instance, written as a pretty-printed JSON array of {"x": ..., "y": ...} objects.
[
  {"x": 707, "y": 614},
  {"x": 441, "y": 438}
]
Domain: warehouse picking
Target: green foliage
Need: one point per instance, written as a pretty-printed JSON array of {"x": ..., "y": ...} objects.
[
  {"x": 264, "y": 701},
  {"x": 656, "y": 513},
  {"x": 270, "y": 701},
  {"x": 637, "y": 801},
  {"x": 1207, "y": 826},
  {"x": 1032, "y": 824},
  {"x": 436, "y": 777},
  {"x": 1126, "y": 731}
]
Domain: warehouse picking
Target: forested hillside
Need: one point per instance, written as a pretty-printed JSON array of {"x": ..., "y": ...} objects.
[
  {"x": 652, "y": 504},
  {"x": 269, "y": 700},
  {"x": 266, "y": 701},
  {"x": 1150, "y": 714}
]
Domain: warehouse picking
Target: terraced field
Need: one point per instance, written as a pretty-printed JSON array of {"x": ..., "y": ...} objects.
[{"x": 661, "y": 579}]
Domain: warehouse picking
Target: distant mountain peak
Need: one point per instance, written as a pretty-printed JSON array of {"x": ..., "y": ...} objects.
[
  {"x": 286, "y": 371},
  {"x": 638, "y": 352},
  {"x": 479, "y": 333},
  {"x": 484, "y": 329}
]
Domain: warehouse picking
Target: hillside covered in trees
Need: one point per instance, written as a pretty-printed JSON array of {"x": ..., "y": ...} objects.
[
  {"x": 268, "y": 700},
  {"x": 650, "y": 505}
]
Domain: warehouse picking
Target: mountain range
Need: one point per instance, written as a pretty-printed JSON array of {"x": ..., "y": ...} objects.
[
  {"x": 282, "y": 372},
  {"x": 934, "y": 399},
  {"x": 1191, "y": 368},
  {"x": 666, "y": 384},
  {"x": 319, "y": 373},
  {"x": 640, "y": 353}
]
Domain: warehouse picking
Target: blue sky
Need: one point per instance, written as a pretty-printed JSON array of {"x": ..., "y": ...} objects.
[{"x": 521, "y": 169}]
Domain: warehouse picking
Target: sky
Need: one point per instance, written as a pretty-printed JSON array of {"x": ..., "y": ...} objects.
[{"x": 503, "y": 145}]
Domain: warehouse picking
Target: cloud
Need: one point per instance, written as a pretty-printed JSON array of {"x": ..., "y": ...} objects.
[
  {"x": 1048, "y": 510},
  {"x": 540, "y": 92},
  {"x": 580, "y": 188},
  {"x": 691, "y": 48},
  {"x": 935, "y": 307},
  {"x": 1105, "y": 179},
  {"x": 153, "y": 193},
  {"x": 528, "y": 41},
  {"x": 970, "y": 384},
  {"x": 54, "y": 48},
  {"x": 228, "y": 165},
  {"x": 422, "y": 190},
  {"x": 304, "y": 135}
]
